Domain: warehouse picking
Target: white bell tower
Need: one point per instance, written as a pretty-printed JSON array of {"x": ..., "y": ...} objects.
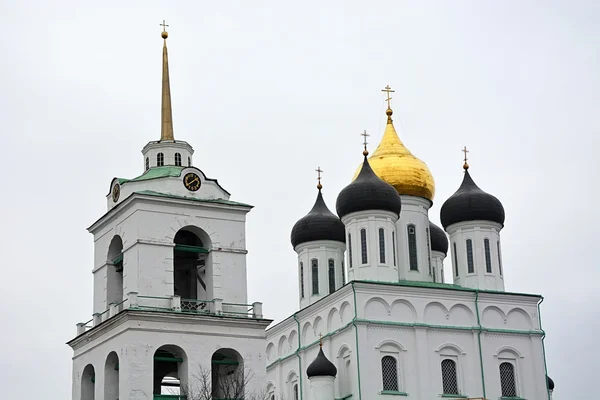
[{"x": 170, "y": 297}]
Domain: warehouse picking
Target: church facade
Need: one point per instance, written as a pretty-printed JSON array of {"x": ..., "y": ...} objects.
[{"x": 172, "y": 320}]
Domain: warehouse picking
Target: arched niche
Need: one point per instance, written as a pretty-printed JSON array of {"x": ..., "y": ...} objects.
[
  {"x": 88, "y": 383},
  {"x": 170, "y": 371},
  {"x": 111, "y": 377},
  {"x": 227, "y": 370},
  {"x": 114, "y": 273},
  {"x": 192, "y": 267}
]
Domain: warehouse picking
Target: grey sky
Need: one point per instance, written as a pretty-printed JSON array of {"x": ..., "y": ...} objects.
[{"x": 266, "y": 91}]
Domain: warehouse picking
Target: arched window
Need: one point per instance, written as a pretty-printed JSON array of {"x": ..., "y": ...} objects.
[
  {"x": 344, "y": 378},
  {"x": 88, "y": 383},
  {"x": 343, "y": 274},
  {"x": 331, "y": 275},
  {"x": 449, "y": 377},
  {"x": 389, "y": 373},
  {"x": 412, "y": 247},
  {"x": 499, "y": 258},
  {"x": 394, "y": 247},
  {"x": 178, "y": 159},
  {"x": 189, "y": 161},
  {"x": 301, "y": 279},
  {"x": 507, "y": 380},
  {"x": 470, "y": 265},
  {"x": 428, "y": 250},
  {"x": 488, "y": 256},
  {"x": 381, "y": 246},
  {"x": 111, "y": 377},
  {"x": 455, "y": 259},
  {"x": 296, "y": 391},
  {"x": 147, "y": 163},
  {"x": 363, "y": 246},
  {"x": 160, "y": 159},
  {"x": 315, "y": 276},
  {"x": 350, "y": 250}
]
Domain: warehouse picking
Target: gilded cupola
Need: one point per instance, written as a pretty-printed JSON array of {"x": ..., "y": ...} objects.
[{"x": 396, "y": 165}]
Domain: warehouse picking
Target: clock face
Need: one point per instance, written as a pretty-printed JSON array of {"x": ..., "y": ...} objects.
[
  {"x": 191, "y": 181},
  {"x": 116, "y": 191}
]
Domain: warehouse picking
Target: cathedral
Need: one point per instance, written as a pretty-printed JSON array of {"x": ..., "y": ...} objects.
[{"x": 375, "y": 319}]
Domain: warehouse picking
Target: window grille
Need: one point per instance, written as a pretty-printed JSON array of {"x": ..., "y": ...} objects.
[
  {"x": 507, "y": 380},
  {"x": 315, "y": 276},
  {"x": 449, "y": 378},
  {"x": 394, "y": 246},
  {"x": 363, "y": 246},
  {"x": 470, "y": 265},
  {"x": 389, "y": 373},
  {"x": 178, "y": 159},
  {"x": 301, "y": 279},
  {"x": 296, "y": 392},
  {"x": 147, "y": 163},
  {"x": 160, "y": 159},
  {"x": 499, "y": 258},
  {"x": 428, "y": 250},
  {"x": 488, "y": 257},
  {"x": 350, "y": 250},
  {"x": 381, "y": 246},
  {"x": 412, "y": 248},
  {"x": 455, "y": 259},
  {"x": 331, "y": 275}
]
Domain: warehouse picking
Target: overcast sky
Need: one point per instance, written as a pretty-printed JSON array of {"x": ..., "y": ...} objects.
[{"x": 266, "y": 91}]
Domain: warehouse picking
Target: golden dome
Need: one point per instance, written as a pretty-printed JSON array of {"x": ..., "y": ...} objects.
[{"x": 396, "y": 165}]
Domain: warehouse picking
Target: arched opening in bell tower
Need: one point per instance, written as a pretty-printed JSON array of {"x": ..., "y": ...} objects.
[
  {"x": 170, "y": 371},
  {"x": 192, "y": 270},
  {"x": 111, "y": 377},
  {"x": 88, "y": 383},
  {"x": 227, "y": 369},
  {"x": 114, "y": 273}
]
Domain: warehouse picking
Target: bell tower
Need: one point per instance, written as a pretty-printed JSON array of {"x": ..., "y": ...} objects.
[{"x": 170, "y": 296}]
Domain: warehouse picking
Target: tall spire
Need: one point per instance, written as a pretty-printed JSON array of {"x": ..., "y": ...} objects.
[{"x": 166, "y": 115}]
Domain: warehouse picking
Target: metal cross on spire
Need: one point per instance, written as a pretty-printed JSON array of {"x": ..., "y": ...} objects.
[
  {"x": 319, "y": 172},
  {"x": 465, "y": 151},
  {"x": 164, "y": 25},
  {"x": 320, "y": 340},
  {"x": 365, "y": 135},
  {"x": 388, "y": 90}
]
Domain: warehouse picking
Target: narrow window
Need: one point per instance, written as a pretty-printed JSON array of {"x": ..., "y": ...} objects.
[
  {"x": 178, "y": 159},
  {"x": 428, "y": 250},
  {"x": 331, "y": 275},
  {"x": 433, "y": 275},
  {"x": 470, "y": 266},
  {"x": 189, "y": 161},
  {"x": 394, "y": 246},
  {"x": 389, "y": 373},
  {"x": 488, "y": 256},
  {"x": 315, "y": 276},
  {"x": 343, "y": 274},
  {"x": 412, "y": 248},
  {"x": 301, "y": 280},
  {"x": 350, "y": 250},
  {"x": 147, "y": 163},
  {"x": 449, "y": 378},
  {"x": 296, "y": 392},
  {"x": 507, "y": 380},
  {"x": 272, "y": 397},
  {"x": 160, "y": 159},
  {"x": 363, "y": 246},
  {"x": 381, "y": 246},
  {"x": 455, "y": 259},
  {"x": 499, "y": 259}
]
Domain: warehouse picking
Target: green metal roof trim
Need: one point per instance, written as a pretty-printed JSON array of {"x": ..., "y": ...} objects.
[
  {"x": 447, "y": 286},
  {"x": 157, "y": 172},
  {"x": 217, "y": 201}
]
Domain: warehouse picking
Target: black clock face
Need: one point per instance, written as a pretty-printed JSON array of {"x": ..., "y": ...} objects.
[
  {"x": 191, "y": 181},
  {"x": 116, "y": 192}
]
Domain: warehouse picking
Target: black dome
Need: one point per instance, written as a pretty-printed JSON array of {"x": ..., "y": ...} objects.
[
  {"x": 550, "y": 383},
  {"x": 318, "y": 224},
  {"x": 439, "y": 240},
  {"x": 321, "y": 366},
  {"x": 368, "y": 192},
  {"x": 470, "y": 203}
]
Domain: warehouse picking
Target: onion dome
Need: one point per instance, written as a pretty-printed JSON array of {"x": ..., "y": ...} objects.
[
  {"x": 368, "y": 192},
  {"x": 439, "y": 240},
  {"x": 470, "y": 203},
  {"x": 318, "y": 224},
  {"x": 396, "y": 165},
  {"x": 550, "y": 383},
  {"x": 321, "y": 366}
]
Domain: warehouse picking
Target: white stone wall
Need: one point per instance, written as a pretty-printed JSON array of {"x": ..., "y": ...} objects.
[
  {"x": 419, "y": 326},
  {"x": 415, "y": 211},
  {"x": 373, "y": 269},
  {"x": 322, "y": 251},
  {"x": 437, "y": 262},
  {"x": 135, "y": 337},
  {"x": 147, "y": 225},
  {"x": 477, "y": 232},
  {"x": 168, "y": 148}
]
